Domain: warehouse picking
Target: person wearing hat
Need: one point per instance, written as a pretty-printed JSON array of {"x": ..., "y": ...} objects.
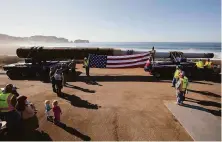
[
  {"x": 7, "y": 109},
  {"x": 86, "y": 65},
  {"x": 176, "y": 75},
  {"x": 181, "y": 88}
]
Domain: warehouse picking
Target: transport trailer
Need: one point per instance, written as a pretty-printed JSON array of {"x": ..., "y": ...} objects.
[
  {"x": 38, "y": 60},
  {"x": 38, "y": 70},
  {"x": 167, "y": 68}
]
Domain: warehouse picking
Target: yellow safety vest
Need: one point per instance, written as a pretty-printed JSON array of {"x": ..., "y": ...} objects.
[
  {"x": 200, "y": 64},
  {"x": 184, "y": 83},
  {"x": 86, "y": 63},
  {"x": 5, "y": 102},
  {"x": 176, "y": 73},
  {"x": 208, "y": 64}
]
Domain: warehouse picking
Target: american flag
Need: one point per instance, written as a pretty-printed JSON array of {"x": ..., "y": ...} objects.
[{"x": 126, "y": 61}]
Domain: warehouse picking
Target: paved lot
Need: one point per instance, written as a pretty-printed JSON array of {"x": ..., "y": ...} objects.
[{"x": 121, "y": 106}]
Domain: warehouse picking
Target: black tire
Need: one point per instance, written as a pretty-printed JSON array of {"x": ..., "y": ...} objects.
[
  {"x": 12, "y": 74},
  {"x": 157, "y": 75}
]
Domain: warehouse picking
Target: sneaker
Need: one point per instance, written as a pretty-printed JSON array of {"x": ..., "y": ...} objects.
[{"x": 172, "y": 86}]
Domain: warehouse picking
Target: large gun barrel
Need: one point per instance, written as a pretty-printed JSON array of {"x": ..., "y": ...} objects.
[
  {"x": 186, "y": 55},
  {"x": 47, "y": 53},
  {"x": 42, "y": 53}
]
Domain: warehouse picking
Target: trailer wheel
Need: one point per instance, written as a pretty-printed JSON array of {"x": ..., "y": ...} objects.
[
  {"x": 12, "y": 75},
  {"x": 37, "y": 74},
  {"x": 23, "y": 74},
  {"x": 157, "y": 75}
]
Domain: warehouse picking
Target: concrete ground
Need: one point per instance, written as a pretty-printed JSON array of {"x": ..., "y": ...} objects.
[{"x": 121, "y": 105}]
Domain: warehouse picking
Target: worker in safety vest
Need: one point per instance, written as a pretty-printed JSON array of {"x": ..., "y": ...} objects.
[
  {"x": 86, "y": 65},
  {"x": 208, "y": 64},
  {"x": 208, "y": 69},
  {"x": 7, "y": 109},
  {"x": 181, "y": 88},
  {"x": 176, "y": 75},
  {"x": 200, "y": 64}
]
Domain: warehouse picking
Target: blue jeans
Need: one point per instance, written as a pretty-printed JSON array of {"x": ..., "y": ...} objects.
[
  {"x": 180, "y": 97},
  {"x": 174, "y": 81}
]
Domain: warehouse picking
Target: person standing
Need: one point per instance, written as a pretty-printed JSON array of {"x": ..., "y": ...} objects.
[
  {"x": 72, "y": 66},
  {"x": 200, "y": 64},
  {"x": 65, "y": 73},
  {"x": 181, "y": 88},
  {"x": 153, "y": 52},
  {"x": 200, "y": 69},
  {"x": 52, "y": 78},
  {"x": 147, "y": 66},
  {"x": 7, "y": 109},
  {"x": 58, "y": 79},
  {"x": 207, "y": 69},
  {"x": 57, "y": 112},
  {"x": 176, "y": 75},
  {"x": 208, "y": 64},
  {"x": 86, "y": 65}
]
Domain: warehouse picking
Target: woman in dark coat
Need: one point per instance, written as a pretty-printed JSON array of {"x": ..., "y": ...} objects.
[{"x": 28, "y": 114}]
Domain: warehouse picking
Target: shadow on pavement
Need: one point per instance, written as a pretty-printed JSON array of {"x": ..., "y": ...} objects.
[
  {"x": 198, "y": 82},
  {"x": 79, "y": 88},
  {"x": 214, "y": 112},
  {"x": 78, "y": 102},
  {"x": 71, "y": 130},
  {"x": 206, "y": 93},
  {"x": 205, "y": 103}
]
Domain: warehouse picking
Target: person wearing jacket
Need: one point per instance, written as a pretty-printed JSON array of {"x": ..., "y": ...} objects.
[
  {"x": 7, "y": 109},
  {"x": 181, "y": 88}
]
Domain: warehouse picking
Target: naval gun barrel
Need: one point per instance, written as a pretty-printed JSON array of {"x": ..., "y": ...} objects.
[
  {"x": 56, "y": 53},
  {"x": 186, "y": 55},
  {"x": 44, "y": 53}
]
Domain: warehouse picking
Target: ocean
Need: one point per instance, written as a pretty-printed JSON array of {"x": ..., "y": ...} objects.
[{"x": 186, "y": 47}]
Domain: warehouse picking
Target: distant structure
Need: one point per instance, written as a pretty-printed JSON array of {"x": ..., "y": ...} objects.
[
  {"x": 81, "y": 41},
  {"x": 37, "y": 38}
]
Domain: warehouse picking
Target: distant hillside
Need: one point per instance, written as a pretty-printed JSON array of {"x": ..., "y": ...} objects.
[
  {"x": 81, "y": 41},
  {"x": 37, "y": 38}
]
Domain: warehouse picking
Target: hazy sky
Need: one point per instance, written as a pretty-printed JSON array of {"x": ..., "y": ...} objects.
[{"x": 114, "y": 20}]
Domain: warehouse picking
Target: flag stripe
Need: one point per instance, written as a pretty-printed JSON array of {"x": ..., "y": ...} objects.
[
  {"x": 142, "y": 63},
  {"x": 127, "y": 56},
  {"x": 126, "y": 61}
]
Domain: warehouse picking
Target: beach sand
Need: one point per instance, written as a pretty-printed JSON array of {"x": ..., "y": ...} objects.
[{"x": 123, "y": 104}]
